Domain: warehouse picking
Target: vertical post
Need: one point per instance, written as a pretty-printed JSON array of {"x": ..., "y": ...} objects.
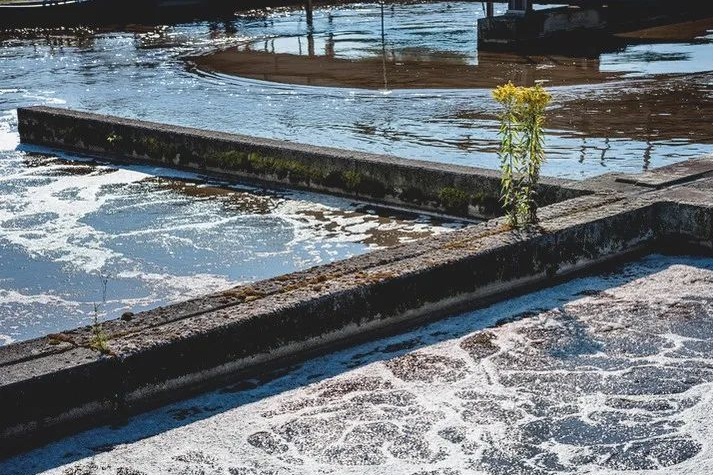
[
  {"x": 308, "y": 10},
  {"x": 383, "y": 48},
  {"x": 519, "y": 7},
  {"x": 310, "y": 28},
  {"x": 489, "y": 10}
]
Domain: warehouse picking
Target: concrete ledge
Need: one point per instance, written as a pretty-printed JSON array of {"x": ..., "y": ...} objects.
[
  {"x": 421, "y": 185},
  {"x": 59, "y": 383}
]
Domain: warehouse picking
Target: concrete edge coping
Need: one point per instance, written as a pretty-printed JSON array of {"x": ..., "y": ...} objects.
[
  {"x": 151, "y": 365},
  {"x": 395, "y": 176},
  {"x": 669, "y": 175}
]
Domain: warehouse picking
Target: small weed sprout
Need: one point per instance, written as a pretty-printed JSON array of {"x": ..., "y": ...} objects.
[
  {"x": 99, "y": 340},
  {"x": 521, "y": 149},
  {"x": 112, "y": 138}
]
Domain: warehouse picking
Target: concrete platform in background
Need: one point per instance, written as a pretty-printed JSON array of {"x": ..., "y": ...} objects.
[
  {"x": 583, "y": 24},
  {"x": 417, "y": 184}
]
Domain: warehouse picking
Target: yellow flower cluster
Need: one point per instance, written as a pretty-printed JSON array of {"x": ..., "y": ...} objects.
[
  {"x": 507, "y": 94},
  {"x": 529, "y": 98},
  {"x": 521, "y": 149}
]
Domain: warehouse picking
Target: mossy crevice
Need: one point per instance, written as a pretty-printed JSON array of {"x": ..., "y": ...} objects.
[
  {"x": 352, "y": 180},
  {"x": 256, "y": 163},
  {"x": 454, "y": 200},
  {"x": 415, "y": 195},
  {"x": 296, "y": 171},
  {"x": 365, "y": 185}
]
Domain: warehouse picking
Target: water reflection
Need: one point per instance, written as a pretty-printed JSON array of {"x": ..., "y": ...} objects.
[
  {"x": 631, "y": 87},
  {"x": 348, "y": 51},
  {"x": 170, "y": 74}
]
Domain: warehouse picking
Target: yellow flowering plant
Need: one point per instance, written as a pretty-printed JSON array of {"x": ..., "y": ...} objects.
[{"x": 521, "y": 149}]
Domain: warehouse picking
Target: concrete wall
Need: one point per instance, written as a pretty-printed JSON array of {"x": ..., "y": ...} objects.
[
  {"x": 422, "y": 185},
  {"x": 62, "y": 382},
  {"x": 59, "y": 383}
]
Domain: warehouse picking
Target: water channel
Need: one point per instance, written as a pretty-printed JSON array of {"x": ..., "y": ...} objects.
[{"x": 406, "y": 80}]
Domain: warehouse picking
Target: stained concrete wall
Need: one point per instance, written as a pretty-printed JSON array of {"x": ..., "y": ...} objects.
[
  {"x": 62, "y": 383},
  {"x": 422, "y": 185}
]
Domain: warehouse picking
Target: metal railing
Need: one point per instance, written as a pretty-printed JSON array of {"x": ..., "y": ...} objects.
[{"x": 39, "y": 3}]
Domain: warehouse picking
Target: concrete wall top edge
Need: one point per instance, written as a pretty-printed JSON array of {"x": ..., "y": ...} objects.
[{"x": 289, "y": 145}]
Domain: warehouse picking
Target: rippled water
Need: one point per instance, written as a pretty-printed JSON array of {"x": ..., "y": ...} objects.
[
  {"x": 628, "y": 107},
  {"x": 608, "y": 374}
]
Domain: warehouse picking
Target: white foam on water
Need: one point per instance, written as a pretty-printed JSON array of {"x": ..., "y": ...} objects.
[
  {"x": 178, "y": 287},
  {"x": 606, "y": 374},
  {"x": 6, "y": 340},
  {"x": 8, "y": 297},
  {"x": 9, "y": 137},
  {"x": 56, "y": 209}
]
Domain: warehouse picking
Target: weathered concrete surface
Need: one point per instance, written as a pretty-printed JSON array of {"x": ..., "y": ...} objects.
[
  {"x": 675, "y": 174},
  {"x": 56, "y": 384},
  {"x": 422, "y": 185}
]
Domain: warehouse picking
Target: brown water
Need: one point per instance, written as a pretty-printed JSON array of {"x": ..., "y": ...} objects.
[{"x": 644, "y": 99}]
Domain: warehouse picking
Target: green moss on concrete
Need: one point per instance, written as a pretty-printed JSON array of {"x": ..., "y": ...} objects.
[
  {"x": 454, "y": 199},
  {"x": 233, "y": 159},
  {"x": 364, "y": 185},
  {"x": 352, "y": 180},
  {"x": 256, "y": 163},
  {"x": 155, "y": 148}
]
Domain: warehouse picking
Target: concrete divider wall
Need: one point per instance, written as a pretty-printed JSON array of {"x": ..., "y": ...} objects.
[
  {"x": 58, "y": 383},
  {"x": 422, "y": 185},
  {"x": 61, "y": 383}
]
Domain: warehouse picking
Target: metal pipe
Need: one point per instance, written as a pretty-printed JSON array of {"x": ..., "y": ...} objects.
[{"x": 308, "y": 10}]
